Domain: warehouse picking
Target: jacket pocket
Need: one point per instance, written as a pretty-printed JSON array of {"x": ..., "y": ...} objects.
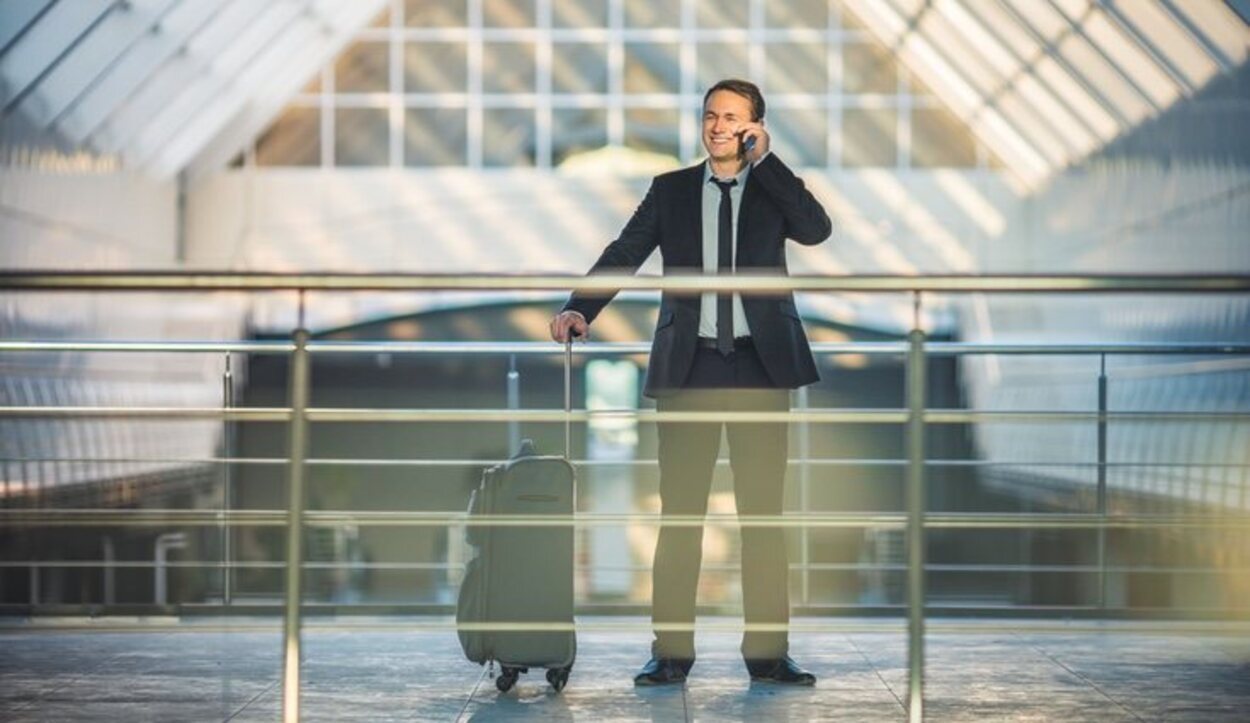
[{"x": 666, "y": 319}]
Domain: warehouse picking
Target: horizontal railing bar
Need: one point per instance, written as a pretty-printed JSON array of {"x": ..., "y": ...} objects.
[
  {"x": 818, "y": 416},
  {"x": 335, "y": 518},
  {"x": 538, "y": 348},
  {"x": 706, "y": 567},
  {"x": 815, "y": 462},
  {"x": 239, "y": 414},
  {"x": 432, "y": 618},
  {"x": 242, "y": 347},
  {"x": 742, "y": 282}
]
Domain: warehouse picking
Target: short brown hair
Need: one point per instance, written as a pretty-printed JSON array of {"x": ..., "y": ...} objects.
[{"x": 744, "y": 88}]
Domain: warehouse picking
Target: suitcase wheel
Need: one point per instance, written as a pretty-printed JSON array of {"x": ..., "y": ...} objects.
[
  {"x": 507, "y": 678},
  {"x": 558, "y": 677}
]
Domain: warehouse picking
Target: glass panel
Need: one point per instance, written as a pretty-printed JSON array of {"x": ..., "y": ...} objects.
[
  {"x": 508, "y": 137},
  {"x": 718, "y": 61},
  {"x": 652, "y": 14},
  {"x": 361, "y": 137},
  {"x": 812, "y": 15},
  {"x": 796, "y": 68},
  {"x": 363, "y": 68},
  {"x": 294, "y": 139},
  {"x": 508, "y": 13},
  {"x": 435, "y": 137},
  {"x": 868, "y": 68},
  {"x": 940, "y": 140},
  {"x": 508, "y": 68},
  {"x": 436, "y": 13},
  {"x": 652, "y": 68},
  {"x": 1103, "y": 77},
  {"x": 653, "y": 129},
  {"x": 799, "y": 135},
  {"x": 579, "y": 14},
  {"x": 869, "y": 137},
  {"x": 574, "y": 130},
  {"x": 383, "y": 20},
  {"x": 579, "y": 68},
  {"x": 435, "y": 67},
  {"x": 722, "y": 13}
]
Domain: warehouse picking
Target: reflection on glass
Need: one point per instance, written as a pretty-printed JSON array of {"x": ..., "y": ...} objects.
[
  {"x": 718, "y": 61},
  {"x": 435, "y": 67},
  {"x": 363, "y": 68},
  {"x": 579, "y": 13},
  {"x": 574, "y": 130},
  {"x": 653, "y": 129},
  {"x": 579, "y": 68},
  {"x": 809, "y": 15},
  {"x": 508, "y": 13},
  {"x": 508, "y": 137},
  {"x": 508, "y": 68},
  {"x": 796, "y": 68},
  {"x": 361, "y": 136},
  {"x": 293, "y": 140},
  {"x": 652, "y": 68},
  {"x": 940, "y": 140},
  {"x": 799, "y": 135},
  {"x": 869, "y": 137},
  {"x": 435, "y": 137},
  {"x": 868, "y": 68},
  {"x": 436, "y": 13},
  {"x": 722, "y": 13},
  {"x": 652, "y": 15}
]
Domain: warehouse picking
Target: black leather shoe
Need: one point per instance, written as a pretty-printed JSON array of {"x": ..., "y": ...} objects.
[
  {"x": 783, "y": 670},
  {"x": 663, "y": 671}
]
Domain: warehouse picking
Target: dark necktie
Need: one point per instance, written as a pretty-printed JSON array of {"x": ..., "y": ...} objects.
[{"x": 724, "y": 242}]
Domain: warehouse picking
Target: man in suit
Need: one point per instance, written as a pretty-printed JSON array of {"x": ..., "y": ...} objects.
[{"x": 720, "y": 352}]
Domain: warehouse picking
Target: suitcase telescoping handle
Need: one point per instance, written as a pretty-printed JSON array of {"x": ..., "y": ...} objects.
[{"x": 568, "y": 395}]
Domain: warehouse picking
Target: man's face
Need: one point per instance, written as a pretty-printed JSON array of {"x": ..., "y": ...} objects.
[{"x": 723, "y": 114}]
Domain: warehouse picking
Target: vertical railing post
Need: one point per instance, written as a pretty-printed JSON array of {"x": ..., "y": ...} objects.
[
  {"x": 915, "y": 519},
  {"x": 299, "y": 391},
  {"x": 514, "y": 404},
  {"x": 227, "y": 484},
  {"x": 1102, "y": 481}
]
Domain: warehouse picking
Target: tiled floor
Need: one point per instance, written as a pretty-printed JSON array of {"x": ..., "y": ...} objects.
[{"x": 229, "y": 670}]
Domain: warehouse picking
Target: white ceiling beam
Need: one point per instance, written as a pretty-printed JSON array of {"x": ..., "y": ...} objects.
[
  {"x": 205, "y": 147},
  {"x": 216, "y": 82},
  {"x": 44, "y": 44},
  {"x": 17, "y": 17},
  {"x": 116, "y": 34},
  {"x": 176, "y": 74},
  {"x": 110, "y": 90}
]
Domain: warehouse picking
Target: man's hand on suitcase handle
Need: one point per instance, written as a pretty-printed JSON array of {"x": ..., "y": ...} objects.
[{"x": 569, "y": 325}]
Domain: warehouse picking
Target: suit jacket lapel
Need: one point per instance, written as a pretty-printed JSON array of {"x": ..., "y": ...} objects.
[{"x": 749, "y": 197}]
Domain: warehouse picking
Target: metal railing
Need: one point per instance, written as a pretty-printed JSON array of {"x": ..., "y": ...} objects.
[{"x": 914, "y": 417}]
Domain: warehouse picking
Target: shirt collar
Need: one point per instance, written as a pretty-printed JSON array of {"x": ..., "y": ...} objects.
[{"x": 741, "y": 178}]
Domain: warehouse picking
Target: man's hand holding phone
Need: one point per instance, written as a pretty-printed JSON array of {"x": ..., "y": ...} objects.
[{"x": 755, "y": 141}]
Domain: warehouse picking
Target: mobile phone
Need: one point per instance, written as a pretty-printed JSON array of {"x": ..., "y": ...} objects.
[{"x": 748, "y": 142}]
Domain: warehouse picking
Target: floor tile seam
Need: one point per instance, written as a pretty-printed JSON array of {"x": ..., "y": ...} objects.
[
  {"x": 876, "y": 672},
  {"x": 1087, "y": 681},
  {"x": 252, "y": 700},
  {"x": 33, "y": 701},
  {"x": 472, "y": 694}
]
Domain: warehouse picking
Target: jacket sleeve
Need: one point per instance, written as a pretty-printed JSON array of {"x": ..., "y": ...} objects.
[
  {"x": 624, "y": 255},
  {"x": 806, "y": 220}
]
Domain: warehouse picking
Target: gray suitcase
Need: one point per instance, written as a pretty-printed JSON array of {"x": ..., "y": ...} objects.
[{"x": 522, "y": 574}]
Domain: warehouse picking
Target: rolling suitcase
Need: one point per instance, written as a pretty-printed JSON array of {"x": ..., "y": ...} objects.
[{"x": 522, "y": 573}]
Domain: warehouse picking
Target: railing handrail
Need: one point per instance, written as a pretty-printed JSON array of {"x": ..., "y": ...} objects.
[
  {"x": 200, "y": 281},
  {"x": 938, "y": 348}
]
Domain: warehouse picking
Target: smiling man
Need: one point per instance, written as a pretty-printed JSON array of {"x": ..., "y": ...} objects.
[{"x": 720, "y": 353}]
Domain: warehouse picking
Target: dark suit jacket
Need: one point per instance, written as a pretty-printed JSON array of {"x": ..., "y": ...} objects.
[{"x": 775, "y": 206}]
